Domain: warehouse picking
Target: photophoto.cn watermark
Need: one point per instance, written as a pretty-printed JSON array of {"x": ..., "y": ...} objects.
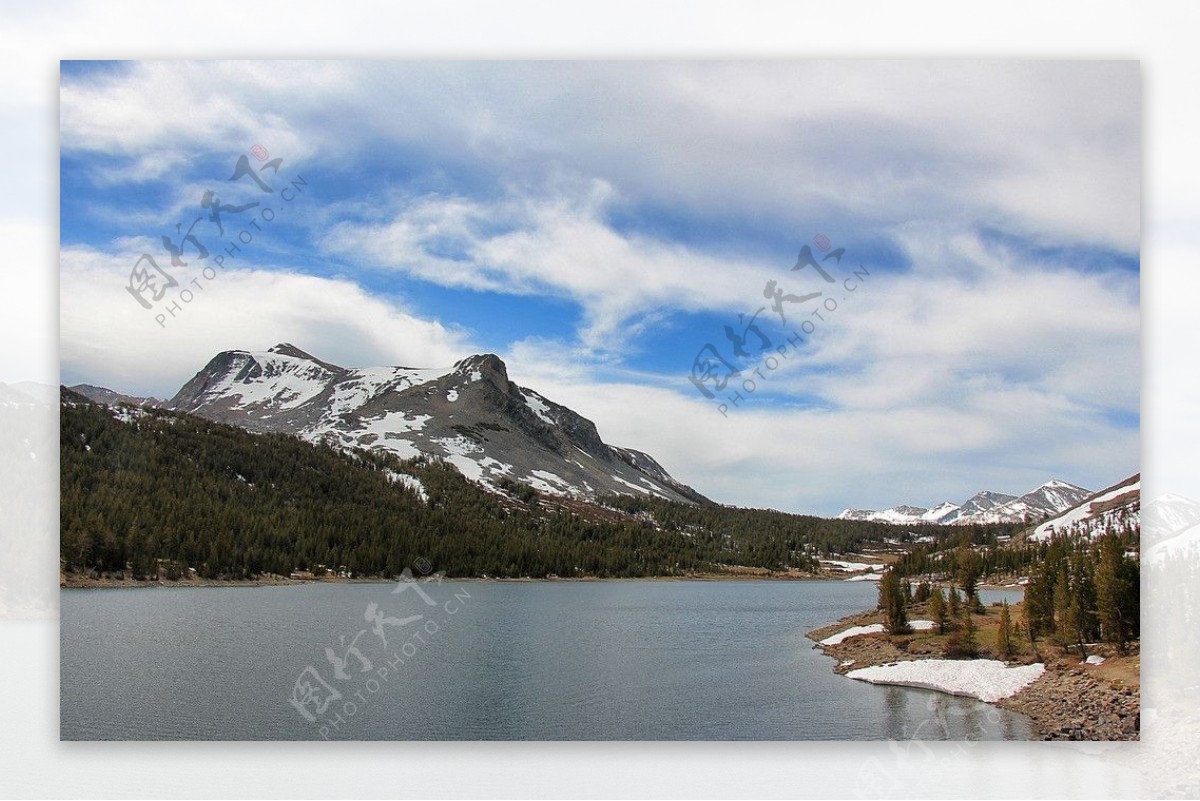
[
  {"x": 226, "y": 226},
  {"x": 754, "y": 353},
  {"x": 364, "y": 663}
]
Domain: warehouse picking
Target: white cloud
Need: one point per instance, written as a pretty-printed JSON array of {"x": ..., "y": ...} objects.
[
  {"x": 823, "y": 461},
  {"x": 966, "y": 312},
  {"x": 108, "y": 339},
  {"x": 559, "y": 245},
  {"x": 973, "y": 370},
  {"x": 144, "y": 109},
  {"x": 974, "y": 357},
  {"x": 1046, "y": 147}
]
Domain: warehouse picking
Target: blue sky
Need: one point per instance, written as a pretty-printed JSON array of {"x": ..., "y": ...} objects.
[{"x": 597, "y": 224}]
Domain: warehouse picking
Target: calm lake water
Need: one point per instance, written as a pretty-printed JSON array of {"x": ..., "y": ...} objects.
[{"x": 640, "y": 660}]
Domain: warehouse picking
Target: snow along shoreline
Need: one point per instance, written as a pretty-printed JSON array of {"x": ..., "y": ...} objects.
[
  {"x": 987, "y": 680},
  {"x": 1063, "y": 698}
]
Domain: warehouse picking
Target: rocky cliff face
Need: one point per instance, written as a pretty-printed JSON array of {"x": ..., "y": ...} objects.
[{"x": 472, "y": 415}]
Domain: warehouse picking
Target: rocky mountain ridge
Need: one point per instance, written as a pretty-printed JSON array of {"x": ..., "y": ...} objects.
[
  {"x": 987, "y": 507},
  {"x": 471, "y": 415}
]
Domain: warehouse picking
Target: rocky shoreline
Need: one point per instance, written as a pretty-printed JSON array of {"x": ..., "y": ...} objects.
[
  {"x": 1070, "y": 701},
  {"x": 1077, "y": 702}
]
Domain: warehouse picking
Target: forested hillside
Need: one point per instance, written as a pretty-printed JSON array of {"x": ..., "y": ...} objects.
[{"x": 148, "y": 491}]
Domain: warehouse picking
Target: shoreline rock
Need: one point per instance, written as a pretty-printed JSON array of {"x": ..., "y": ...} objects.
[{"x": 1069, "y": 701}]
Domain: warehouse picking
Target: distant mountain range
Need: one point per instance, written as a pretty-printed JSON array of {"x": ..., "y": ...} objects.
[
  {"x": 986, "y": 507},
  {"x": 470, "y": 415}
]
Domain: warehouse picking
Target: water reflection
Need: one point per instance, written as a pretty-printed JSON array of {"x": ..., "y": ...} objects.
[
  {"x": 594, "y": 661},
  {"x": 913, "y": 714}
]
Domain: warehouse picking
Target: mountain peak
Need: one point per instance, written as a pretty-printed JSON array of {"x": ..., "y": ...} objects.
[
  {"x": 1058, "y": 483},
  {"x": 1049, "y": 499},
  {"x": 471, "y": 415},
  {"x": 482, "y": 366},
  {"x": 288, "y": 349}
]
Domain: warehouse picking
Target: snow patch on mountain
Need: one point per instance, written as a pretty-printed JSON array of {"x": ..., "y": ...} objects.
[
  {"x": 985, "y": 507},
  {"x": 470, "y": 414},
  {"x": 537, "y": 404},
  {"x": 1113, "y": 509},
  {"x": 1049, "y": 499},
  {"x": 412, "y": 482}
]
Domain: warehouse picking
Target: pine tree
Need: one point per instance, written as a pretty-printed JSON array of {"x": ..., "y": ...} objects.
[
  {"x": 963, "y": 641},
  {"x": 891, "y": 600},
  {"x": 922, "y": 593},
  {"x": 970, "y": 644},
  {"x": 936, "y": 608},
  {"x": 968, "y": 570},
  {"x": 1062, "y": 606},
  {"x": 1074, "y": 630},
  {"x": 1109, "y": 591},
  {"x": 1029, "y": 620},
  {"x": 1004, "y": 638}
]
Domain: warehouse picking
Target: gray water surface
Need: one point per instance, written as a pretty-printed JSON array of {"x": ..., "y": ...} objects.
[{"x": 640, "y": 660}]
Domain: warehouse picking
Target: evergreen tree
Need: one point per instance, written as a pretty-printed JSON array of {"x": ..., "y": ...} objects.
[
  {"x": 970, "y": 644},
  {"x": 891, "y": 600},
  {"x": 936, "y": 608},
  {"x": 1110, "y": 590},
  {"x": 922, "y": 594},
  {"x": 968, "y": 570},
  {"x": 1029, "y": 620},
  {"x": 963, "y": 642},
  {"x": 1062, "y": 606},
  {"x": 1004, "y": 633}
]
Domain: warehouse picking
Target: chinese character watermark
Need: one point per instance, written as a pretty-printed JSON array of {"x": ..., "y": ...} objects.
[
  {"x": 149, "y": 282},
  {"x": 362, "y": 663},
  {"x": 723, "y": 379}
]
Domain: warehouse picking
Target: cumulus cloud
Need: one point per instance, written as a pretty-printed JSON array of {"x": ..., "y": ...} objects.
[
  {"x": 1047, "y": 147},
  {"x": 823, "y": 461},
  {"x": 638, "y": 191},
  {"x": 973, "y": 369},
  {"x": 108, "y": 339},
  {"x": 559, "y": 245}
]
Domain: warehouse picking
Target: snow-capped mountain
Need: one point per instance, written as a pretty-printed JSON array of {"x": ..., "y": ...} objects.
[
  {"x": 984, "y": 508},
  {"x": 901, "y": 515},
  {"x": 978, "y": 504},
  {"x": 1049, "y": 499},
  {"x": 941, "y": 512},
  {"x": 1113, "y": 509},
  {"x": 470, "y": 414}
]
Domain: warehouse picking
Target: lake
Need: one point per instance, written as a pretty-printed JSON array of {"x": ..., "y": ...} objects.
[{"x": 606, "y": 660}]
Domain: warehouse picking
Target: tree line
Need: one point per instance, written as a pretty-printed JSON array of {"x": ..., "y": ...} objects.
[
  {"x": 168, "y": 492},
  {"x": 1080, "y": 590}
]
